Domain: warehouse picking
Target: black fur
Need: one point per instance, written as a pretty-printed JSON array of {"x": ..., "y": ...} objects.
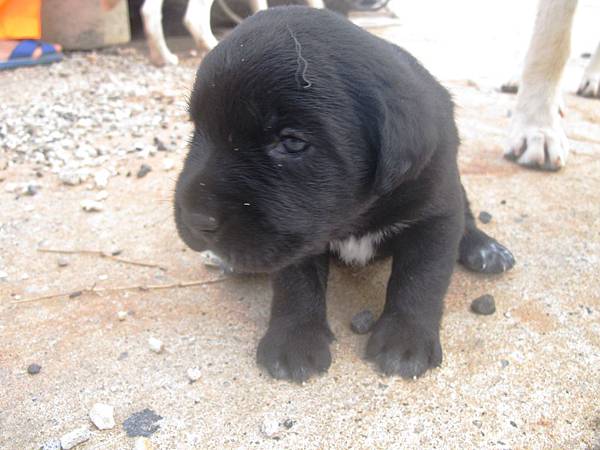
[{"x": 310, "y": 130}]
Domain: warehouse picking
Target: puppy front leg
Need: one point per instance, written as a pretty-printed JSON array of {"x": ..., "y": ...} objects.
[
  {"x": 405, "y": 340},
  {"x": 296, "y": 344}
]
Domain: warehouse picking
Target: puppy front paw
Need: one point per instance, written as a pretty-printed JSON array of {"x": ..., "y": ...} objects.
[
  {"x": 400, "y": 346},
  {"x": 292, "y": 351}
]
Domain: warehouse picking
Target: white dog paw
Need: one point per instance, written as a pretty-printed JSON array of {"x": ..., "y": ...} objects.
[
  {"x": 162, "y": 59},
  {"x": 538, "y": 146},
  {"x": 590, "y": 85}
]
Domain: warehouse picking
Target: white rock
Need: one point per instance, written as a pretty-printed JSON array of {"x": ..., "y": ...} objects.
[
  {"x": 194, "y": 374},
  {"x": 270, "y": 427},
  {"x": 91, "y": 205},
  {"x": 155, "y": 345},
  {"x": 74, "y": 438},
  {"x": 52, "y": 444},
  {"x": 70, "y": 177},
  {"x": 101, "y": 196},
  {"x": 101, "y": 178},
  {"x": 102, "y": 416},
  {"x": 122, "y": 315},
  {"x": 210, "y": 259},
  {"x": 142, "y": 443},
  {"x": 168, "y": 164},
  {"x": 3, "y": 275}
]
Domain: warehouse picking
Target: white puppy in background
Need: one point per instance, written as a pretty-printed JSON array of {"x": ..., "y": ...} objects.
[{"x": 536, "y": 136}]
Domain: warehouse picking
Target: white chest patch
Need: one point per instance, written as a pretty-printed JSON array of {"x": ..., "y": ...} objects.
[{"x": 358, "y": 251}]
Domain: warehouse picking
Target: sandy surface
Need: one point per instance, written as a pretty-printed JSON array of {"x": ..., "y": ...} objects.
[{"x": 526, "y": 377}]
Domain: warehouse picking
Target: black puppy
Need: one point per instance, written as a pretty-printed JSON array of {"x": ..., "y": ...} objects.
[{"x": 313, "y": 136}]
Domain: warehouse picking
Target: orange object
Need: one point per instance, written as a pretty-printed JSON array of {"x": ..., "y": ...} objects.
[{"x": 20, "y": 19}]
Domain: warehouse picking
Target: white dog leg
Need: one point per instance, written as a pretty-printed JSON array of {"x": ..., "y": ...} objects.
[
  {"x": 152, "y": 18},
  {"x": 258, "y": 5},
  {"x": 315, "y": 4},
  {"x": 536, "y": 135},
  {"x": 590, "y": 84},
  {"x": 197, "y": 21}
]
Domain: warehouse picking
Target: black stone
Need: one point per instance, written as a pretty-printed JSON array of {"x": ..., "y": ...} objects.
[
  {"x": 141, "y": 423},
  {"x": 289, "y": 423},
  {"x": 484, "y": 305},
  {"x": 362, "y": 322},
  {"x": 485, "y": 217},
  {"x": 33, "y": 369},
  {"x": 144, "y": 170}
]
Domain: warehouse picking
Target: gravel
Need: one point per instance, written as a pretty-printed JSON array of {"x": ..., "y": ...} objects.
[
  {"x": 52, "y": 444},
  {"x": 194, "y": 374},
  {"x": 484, "y": 305},
  {"x": 362, "y": 322},
  {"x": 155, "y": 345},
  {"x": 102, "y": 416},
  {"x": 485, "y": 217},
  {"x": 33, "y": 369},
  {"x": 97, "y": 114},
  {"x": 62, "y": 262},
  {"x": 89, "y": 205},
  {"x": 144, "y": 170},
  {"x": 270, "y": 427},
  {"x": 142, "y": 423},
  {"x": 121, "y": 315},
  {"x": 74, "y": 438}
]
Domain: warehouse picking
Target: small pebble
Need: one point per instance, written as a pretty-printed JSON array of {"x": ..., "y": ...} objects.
[
  {"x": 210, "y": 259},
  {"x": 52, "y": 444},
  {"x": 74, "y": 438},
  {"x": 485, "y": 217},
  {"x": 102, "y": 416},
  {"x": 62, "y": 262},
  {"x": 270, "y": 427},
  {"x": 142, "y": 423},
  {"x": 33, "y": 369},
  {"x": 160, "y": 146},
  {"x": 3, "y": 275},
  {"x": 122, "y": 315},
  {"x": 289, "y": 423},
  {"x": 168, "y": 164},
  {"x": 484, "y": 305},
  {"x": 194, "y": 374},
  {"x": 70, "y": 178},
  {"x": 91, "y": 206},
  {"x": 101, "y": 196},
  {"x": 155, "y": 345},
  {"x": 142, "y": 443},
  {"x": 477, "y": 423},
  {"x": 504, "y": 363},
  {"x": 101, "y": 179},
  {"x": 362, "y": 322},
  {"x": 144, "y": 170}
]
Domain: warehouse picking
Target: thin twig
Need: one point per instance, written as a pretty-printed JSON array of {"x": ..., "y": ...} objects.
[
  {"x": 103, "y": 255},
  {"x": 140, "y": 287}
]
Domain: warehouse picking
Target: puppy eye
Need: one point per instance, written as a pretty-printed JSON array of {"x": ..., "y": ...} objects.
[{"x": 293, "y": 144}]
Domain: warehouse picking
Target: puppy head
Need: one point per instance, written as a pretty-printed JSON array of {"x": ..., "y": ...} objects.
[{"x": 285, "y": 152}]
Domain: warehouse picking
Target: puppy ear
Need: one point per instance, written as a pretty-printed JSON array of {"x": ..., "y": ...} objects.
[{"x": 407, "y": 138}]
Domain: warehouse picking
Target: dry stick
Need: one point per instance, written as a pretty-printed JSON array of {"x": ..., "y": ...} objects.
[
  {"x": 103, "y": 255},
  {"x": 180, "y": 284}
]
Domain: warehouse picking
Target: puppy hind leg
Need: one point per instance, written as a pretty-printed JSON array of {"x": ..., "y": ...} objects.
[
  {"x": 152, "y": 19},
  {"x": 296, "y": 345},
  {"x": 197, "y": 21},
  {"x": 590, "y": 84},
  {"x": 480, "y": 252}
]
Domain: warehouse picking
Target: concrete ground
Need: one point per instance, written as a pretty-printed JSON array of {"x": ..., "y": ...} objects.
[{"x": 527, "y": 376}]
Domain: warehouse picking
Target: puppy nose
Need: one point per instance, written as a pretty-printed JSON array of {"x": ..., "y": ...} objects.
[{"x": 199, "y": 221}]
